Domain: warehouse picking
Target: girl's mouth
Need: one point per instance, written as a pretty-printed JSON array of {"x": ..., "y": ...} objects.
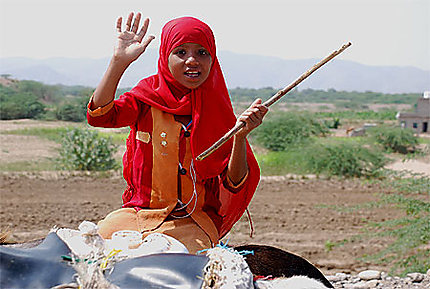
[{"x": 192, "y": 74}]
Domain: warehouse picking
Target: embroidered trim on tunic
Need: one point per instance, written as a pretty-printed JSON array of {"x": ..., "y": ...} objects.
[{"x": 143, "y": 136}]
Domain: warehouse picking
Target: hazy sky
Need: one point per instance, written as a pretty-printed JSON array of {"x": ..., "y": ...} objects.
[{"x": 383, "y": 32}]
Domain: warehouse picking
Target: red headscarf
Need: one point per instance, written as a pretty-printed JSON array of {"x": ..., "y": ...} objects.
[{"x": 209, "y": 104}]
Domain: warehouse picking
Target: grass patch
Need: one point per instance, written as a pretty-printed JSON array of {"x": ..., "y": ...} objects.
[
  {"x": 368, "y": 115},
  {"x": 55, "y": 133},
  {"x": 282, "y": 163},
  {"x": 29, "y": 166},
  {"x": 424, "y": 140},
  {"x": 408, "y": 251},
  {"x": 337, "y": 140},
  {"x": 403, "y": 182},
  {"x": 116, "y": 138},
  {"x": 52, "y": 134}
]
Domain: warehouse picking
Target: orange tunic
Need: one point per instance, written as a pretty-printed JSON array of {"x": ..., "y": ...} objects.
[{"x": 197, "y": 231}]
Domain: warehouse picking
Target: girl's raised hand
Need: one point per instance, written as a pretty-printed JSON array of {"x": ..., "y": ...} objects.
[{"x": 130, "y": 42}]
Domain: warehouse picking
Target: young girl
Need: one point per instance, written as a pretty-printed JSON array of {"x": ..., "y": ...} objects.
[{"x": 174, "y": 116}]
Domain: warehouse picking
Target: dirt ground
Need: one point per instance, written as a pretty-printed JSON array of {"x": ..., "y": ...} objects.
[
  {"x": 287, "y": 213},
  {"x": 294, "y": 214}
]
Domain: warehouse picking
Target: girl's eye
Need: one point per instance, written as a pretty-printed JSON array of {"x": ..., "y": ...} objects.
[
  {"x": 180, "y": 52},
  {"x": 203, "y": 52}
]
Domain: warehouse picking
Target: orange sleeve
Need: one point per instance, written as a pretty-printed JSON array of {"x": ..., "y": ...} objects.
[
  {"x": 99, "y": 111},
  {"x": 234, "y": 187}
]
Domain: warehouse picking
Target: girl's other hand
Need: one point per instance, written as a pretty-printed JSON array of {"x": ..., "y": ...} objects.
[
  {"x": 130, "y": 42},
  {"x": 252, "y": 117}
]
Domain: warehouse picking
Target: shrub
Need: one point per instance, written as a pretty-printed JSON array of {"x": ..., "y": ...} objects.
[
  {"x": 396, "y": 139},
  {"x": 288, "y": 130},
  {"x": 348, "y": 160},
  {"x": 83, "y": 149},
  {"x": 334, "y": 124},
  {"x": 75, "y": 110}
]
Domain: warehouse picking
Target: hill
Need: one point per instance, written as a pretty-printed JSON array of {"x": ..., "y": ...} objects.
[{"x": 250, "y": 71}]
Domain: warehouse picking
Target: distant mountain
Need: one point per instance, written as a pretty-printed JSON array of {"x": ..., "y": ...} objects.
[{"x": 250, "y": 71}]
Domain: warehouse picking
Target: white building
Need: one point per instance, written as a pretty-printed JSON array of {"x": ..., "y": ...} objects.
[{"x": 420, "y": 119}]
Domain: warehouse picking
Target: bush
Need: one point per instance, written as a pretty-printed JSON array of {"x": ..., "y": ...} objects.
[
  {"x": 71, "y": 112},
  {"x": 346, "y": 160},
  {"x": 75, "y": 110},
  {"x": 83, "y": 149},
  {"x": 334, "y": 124},
  {"x": 396, "y": 139},
  {"x": 288, "y": 130}
]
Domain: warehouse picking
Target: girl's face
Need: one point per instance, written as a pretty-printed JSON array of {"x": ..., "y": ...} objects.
[{"x": 190, "y": 64}]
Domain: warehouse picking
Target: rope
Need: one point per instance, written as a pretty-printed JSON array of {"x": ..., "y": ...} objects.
[
  {"x": 193, "y": 197},
  {"x": 112, "y": 253},
  {"x": 251, "y": 225}
]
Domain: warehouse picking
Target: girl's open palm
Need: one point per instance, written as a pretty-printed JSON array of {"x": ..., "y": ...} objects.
[{"x": 130, "y": 42}]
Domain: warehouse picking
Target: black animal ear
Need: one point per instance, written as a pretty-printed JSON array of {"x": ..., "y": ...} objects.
[{"x": 271, "y": 261}]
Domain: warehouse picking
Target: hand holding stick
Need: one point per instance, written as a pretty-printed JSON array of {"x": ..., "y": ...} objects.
[{"x": 271, "y": 101}]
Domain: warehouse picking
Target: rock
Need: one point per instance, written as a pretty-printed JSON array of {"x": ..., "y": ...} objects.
[
  {"x": 338, "y": 277},
  {"x": 411, "y": 281},
  {"x": 428, "y": 272},
  {"x": 342, "y": 276},
  {"x": 416, "y": 277},
  {"x": 332, "y": 278},
  {"x": 372, "y": 283},
  {"x": 369, "y": 275},
  {"x": 361, "y": 285}
]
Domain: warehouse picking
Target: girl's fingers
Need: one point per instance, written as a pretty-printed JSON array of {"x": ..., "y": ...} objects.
[
  {"x": 250, "y": 118},
  {"x": 118, "y": 24},
  {"x": 136, "y": 22},
  {"x": 253, "y": 116},
  {"x": 129, "y": 19},
  {"x": 143, "y": 30}
]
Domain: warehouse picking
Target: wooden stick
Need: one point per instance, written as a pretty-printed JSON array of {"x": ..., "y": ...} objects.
[{"x": 271, "y": 101}]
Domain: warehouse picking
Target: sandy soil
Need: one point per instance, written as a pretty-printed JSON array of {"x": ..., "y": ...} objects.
[
  {"x": 293, "y": 214},
  {"x": 415, "y": 166}
]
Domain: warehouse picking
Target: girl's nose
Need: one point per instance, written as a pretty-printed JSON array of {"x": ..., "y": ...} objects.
[{"x": 191, "y": 60}]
